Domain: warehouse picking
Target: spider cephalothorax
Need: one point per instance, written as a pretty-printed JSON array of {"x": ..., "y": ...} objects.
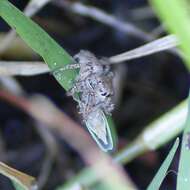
[{"x": 94, "y": 84}]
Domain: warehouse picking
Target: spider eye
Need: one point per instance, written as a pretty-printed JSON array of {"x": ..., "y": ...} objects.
[
  {"x": 77, "y": 59},
  {"x": 104, "y": 94}
]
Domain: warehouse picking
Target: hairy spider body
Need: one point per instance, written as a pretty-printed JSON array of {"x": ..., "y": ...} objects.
[{"x": 94, "y": 83}]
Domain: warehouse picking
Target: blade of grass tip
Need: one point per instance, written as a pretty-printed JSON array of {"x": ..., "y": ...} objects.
[
  {"x": 53, "y": 54},
  {"x": 183, "y": 179},
  {"x": 177, "y": 21},
  {"x": 21, "y": 181},
  {"x": 159, "y": 177}
]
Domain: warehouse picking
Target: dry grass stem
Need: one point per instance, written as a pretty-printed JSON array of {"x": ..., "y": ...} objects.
[
  {"x": 51, "y": 152},
  {"x": 156, "y": 46},
  {"x": 23, "y": 179},
  {"x": 142, "y": 13},
  {"x": 105, "y": 18},
  {"x": 112, "y": 21},
  {"x": 10, "y": 84},
  {"x": 24, "y": 68},
  {"x": 34, "y": 68}
]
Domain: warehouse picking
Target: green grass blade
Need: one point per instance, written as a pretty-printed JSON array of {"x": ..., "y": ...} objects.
[
  {"x": 177, "y": 19},
  {"x": 175, "y": 15},
  {"x": 183, "y": 180},
  {"x": 157, "y": 180},
  {"x": 53, "y": 54}
]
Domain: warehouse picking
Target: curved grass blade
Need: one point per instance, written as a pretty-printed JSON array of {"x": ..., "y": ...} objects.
[
  {"x": 159, "y": 177},
  {"x": 20, "y": 180},
  {"x": 183, "y": 180},
  {"x": 53, "y": 54}
]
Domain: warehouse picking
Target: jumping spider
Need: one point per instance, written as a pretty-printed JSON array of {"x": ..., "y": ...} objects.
[{"x": 93, "y": 83}]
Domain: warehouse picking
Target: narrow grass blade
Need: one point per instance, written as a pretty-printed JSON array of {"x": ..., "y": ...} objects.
[
  {"x": 177, "y": 21},
  {"x": 53, "y": 54},
  {"x": 20, "y": 180},
  {"x": 183, "y": 180},
  {"x": 157, "y": 180}
]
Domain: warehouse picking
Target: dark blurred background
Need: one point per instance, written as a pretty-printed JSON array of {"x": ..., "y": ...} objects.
[{"x": 148, "y": 87}]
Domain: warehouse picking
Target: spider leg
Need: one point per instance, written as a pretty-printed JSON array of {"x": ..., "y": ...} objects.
[{"x": 77, "y": 87}]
